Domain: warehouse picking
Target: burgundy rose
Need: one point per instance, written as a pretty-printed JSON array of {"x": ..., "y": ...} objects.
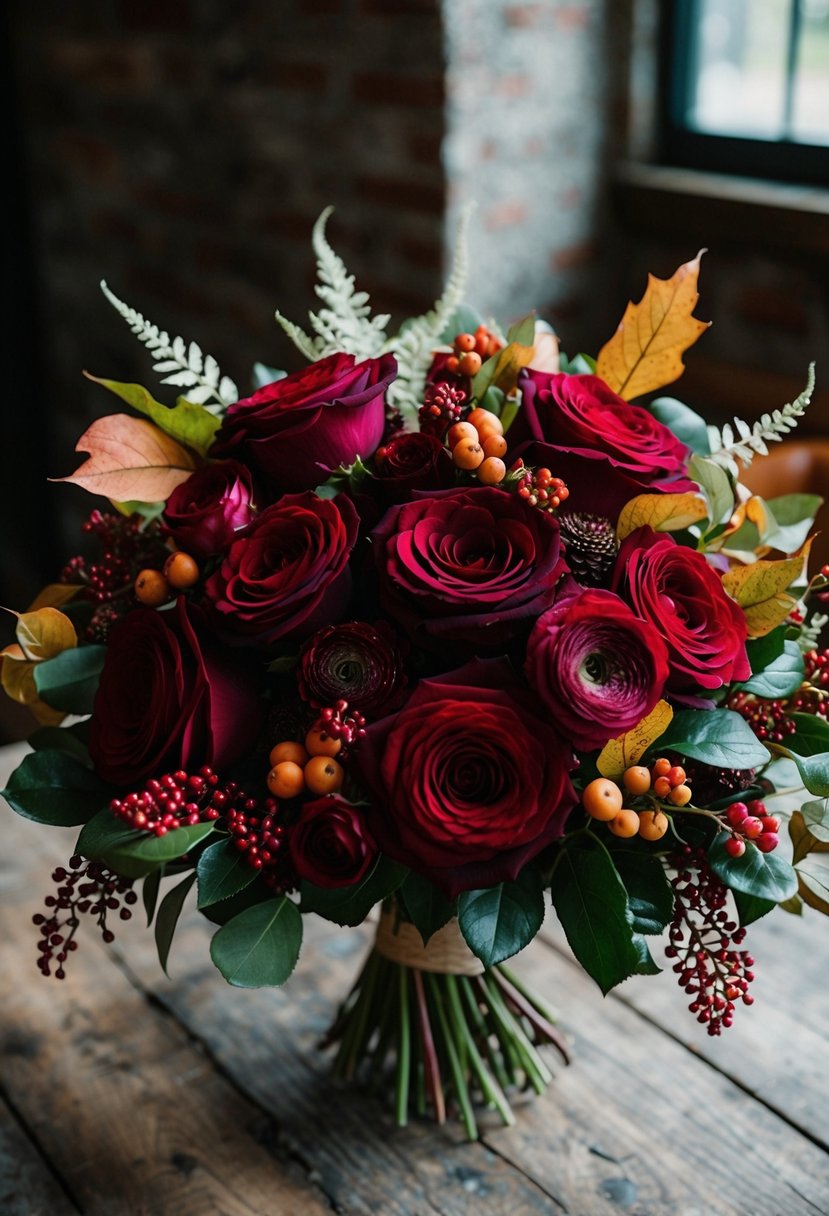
[
  {"x": 205, "y": 512},
  {"x": 355, "y": 662},
  {"x": 469, "y": 566},
  {"x": 287, "y": 573},
  {"x": 296, "y": 430},
  {"x": 597, "y": 668},
  {"x": 412, "y": 460},
  {"x": 675, "y": 589},
  {"x": 467, "y": 783},
  {"x": 169, "y": 697},
  {"x": 331, "y": 845}
]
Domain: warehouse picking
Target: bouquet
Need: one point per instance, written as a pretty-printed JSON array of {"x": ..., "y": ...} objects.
[{"x": 451, "y": 624}]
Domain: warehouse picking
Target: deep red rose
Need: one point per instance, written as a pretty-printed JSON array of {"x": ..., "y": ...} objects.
[
  {"x": 169, "y": 697},
  {"x": 597, "y": 668},
  {"x": 355, "y": 662},
  {"x": 412, "y": 460},
  {"x": 205, "y": 512},
  {"x": 467, "y": 783},
  {"x": 296, "y": 430},
  {"x": 675, "y": 589},
  {"x": 287, "y": 574},
  {"x": 331, "y": 845},
  {"x": 468, "y": 566}
]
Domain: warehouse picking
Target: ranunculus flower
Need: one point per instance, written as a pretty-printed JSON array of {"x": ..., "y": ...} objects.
[
  {"x": 597, "y": 668},
  {"x": 287, "y": 574},
  {"x": 467, "y": 783},
  {"x": 411, "y": 460},
  {"x": 331, "y": 845},
  {"x": 205, "y": 512},
  {"x": 468, "y": 566},
  {"x": 296, "y": 430},
  {"x": 355, "y": 662},
  {"x": 675, "y": 589},
  {"x": 169, "y": 697}
]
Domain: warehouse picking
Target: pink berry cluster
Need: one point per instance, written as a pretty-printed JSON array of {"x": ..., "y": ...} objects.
[
  {"x": 84, "y": 887},
  {"x": 751, "y": 821},
  {"x": 443, "y": 404},
  {"x": 705, "y": 942}
]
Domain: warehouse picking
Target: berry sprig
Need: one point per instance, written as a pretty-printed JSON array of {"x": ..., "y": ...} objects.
[
  {"x": 443, "y": 405},
  {"x": 478, "y": 446},
  {"x": 771, "y": 720},
  {"x": 470, "y": 350},
  {"x": 177, "y": 800},
  {"x": 261, "y": 839},
  {"x": 297, "y": 769},
  {"x": 704, "y": 941},
  {"x": 751, "y": 821},
  {"x": 540, "y": 489},
  {"x": 84, "y": 887},
  {"x": 154, "y": 587}
]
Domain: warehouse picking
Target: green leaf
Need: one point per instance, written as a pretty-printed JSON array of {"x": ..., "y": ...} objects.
[
  {"x": 764, "y": 650},
  {"x": 70, "y": 680},
  {"x": 222, "y": 871},
  {"x": 715, "y": 484},
  {"x": 493, "y": 400},
  {"x": 650, "y": 896},
  {"x": 52, "y": 787},
  {"x": 591, "y": 902},
  {"x": 579, "y": 365},
  {"x": 264, "y": 375},
  {"x": 646, "y": 964},
  {"x": 257, "y": 893},
  {"x": 186, "y": 422},
  {"x": 685, "y": 423},
  {"x": 167, "y": 919},
  {"x": 464, "y": 320},
  {"x": 427, "y": 907},
  {"x": 816, "y": 819},
  {"x": 751, "y": 907},
  {"x": 60, "y": 739},
  {"x": 522, "y": 331},
  {"x": 134, "y": 853},
  {"x": 149, "y": 893},
  {"x": 260, "y": 946},
  {"x": 497, "y": 922},
  {"x": 809, "y": 748},
  {"x": 781, "y": 677},
  {"x": 794, "y": 518},
  {"x": 351, "y": 905},
  {"x": 719, "y": 737},
  {"x": 764, "y": 875}
]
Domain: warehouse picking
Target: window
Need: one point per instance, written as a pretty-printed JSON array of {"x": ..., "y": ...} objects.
[{"x": 746, "y": 87}]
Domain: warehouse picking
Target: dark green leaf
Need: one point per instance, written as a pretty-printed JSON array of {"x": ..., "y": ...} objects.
[
  {"x": 719, "y": 737},
  {"x": 70, "y": 680},
  {"x": 52, "y": 787},
  {"x": 687, "y": 425},
  {"x": 149, "y": 892},
  {"x": 646, "y": 964},
  {"x": 779, "y": 678},
  {"x": 497, "y": 922},
  {"x": 764, "y": 875},
  {"x": 751, "y": 907},
  {"x": 135, "y": 853},
  {"x": 809, "y": 748},
  {"x": 222, "y": 871},
  {"x": 591, "y": 903},
  {"x": 260, "y": 946},
  {"x": 650, "y": 896},
  {"x": 351, "y": 905},
  {"x": 427, "y": 907},
  {"x": 256, "y": 893},
  {"x": 60, "y": 739},
  {"x": 762, "y": 651},
  {"x": 168, "y": 913}
]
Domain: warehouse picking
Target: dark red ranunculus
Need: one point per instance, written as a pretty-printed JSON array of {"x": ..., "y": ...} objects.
[
  {"x": 597, "y": 668},
  {"x": 412, "y": 460},
  {"x": 468, "y": 566},
  {"x": 205, "y": 512},
  {"x": 675, "y": 589},
  {"x": 296, "y": 430},
  {"x": 467, "y": 783},
  {"x": 169, "y": 697},
  {"x": 331, "y": 845},
  {"x": 355, "y": 662},
  {"x": 287, "y": 574}
]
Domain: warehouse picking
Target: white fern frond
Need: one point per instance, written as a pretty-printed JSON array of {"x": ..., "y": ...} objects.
[
  {"x": 304, "y": 344},
  {"x": 811, "y": 630},
  {"x": 414, "y": 345},
  {"x": 344, "y": 323},
  {"x": 753, "y": 441}
]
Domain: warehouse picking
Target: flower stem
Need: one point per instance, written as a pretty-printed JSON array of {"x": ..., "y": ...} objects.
[
  {"x": 403, "y": 1049},
  {"x": 458, "y": 1078}
]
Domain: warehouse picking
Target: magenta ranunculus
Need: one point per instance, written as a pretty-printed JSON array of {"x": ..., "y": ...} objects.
[
  {"x": 296, "y": 430},
  {"x": 597, "y": 668},
  {"x": 676, "y": 589},
  {"x": 287, "y": 574},
  {"x": 472, "y": 567},
  {"x": 205, "y": 512},
  {"x": 169, "y": 697},
  {"x": 467, "y": 783},
  {"x": 331, "y": 845},
  {"x": 355, "y": 662}
]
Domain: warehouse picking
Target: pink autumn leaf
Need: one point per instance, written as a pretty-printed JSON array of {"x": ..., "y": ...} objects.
[{"x": 130, "y": 459}]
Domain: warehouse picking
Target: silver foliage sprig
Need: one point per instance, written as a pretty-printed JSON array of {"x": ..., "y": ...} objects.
[
  {"x": 753, "y": 441},
  {"x": 178, "y": 362}
]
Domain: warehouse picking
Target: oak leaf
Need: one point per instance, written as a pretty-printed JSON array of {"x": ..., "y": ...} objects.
[
  {"x": 130, "y": 458},
  {"x": 620, "y": 753},
  {"x": 662, "y": 512},
  {"x": 761, "y": 590}
]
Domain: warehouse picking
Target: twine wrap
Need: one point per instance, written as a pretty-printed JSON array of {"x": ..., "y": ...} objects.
[{"x": 445, "y": 953}]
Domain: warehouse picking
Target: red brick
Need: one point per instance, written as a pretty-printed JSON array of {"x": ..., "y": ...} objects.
[
  {"x": 573, "y": 16},
  {"x": 151, "y": 15},
  {"x": 407, "y": 195},
  {"x": 516, "y": 84},
  {"x": 392, "y": 8},
  {"x": 522, "y": 16},
  {"x": 111, "y": 67},
  {"x": 767, "y": 307},
  {"x": 425, "y": 147},
  {"x": 573, "y": 256},
  {"x": 87, "y": 155},
  {"x": 299, "y": 77},
  {"x": 290, "y": 225},
  {"x": 507, "y": 214},
  {"x": 391, "y": 88},
  {"x": 422, "y": 253}
]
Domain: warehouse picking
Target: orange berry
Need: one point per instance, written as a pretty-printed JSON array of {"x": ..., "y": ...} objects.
[
  {"x": 636, "y": 779},
  {"x": 151, "y": 588},
  {"x": 485, "y": 418},
  {"x": 464, "y": 342},
  {"x": 469, "y": 364},
  {"x": 625, "y": 823},
  {"x": 493, "y": 346},
  {"x": 662, "y": 787},
  {"x": 676, "y": 776},
  {"x": 323, "y": 775},
  {"x": 459, "y": 431},
  {"x": 661, "y": 768},
  {"x": 452, "y": 363},
  {"x": 320, "y": 743},
  {"x": 492, "y": 471},
  {"x": 181, "y": 570},
  {"x": 493, "y": 445},
  {"x": 288, "y": 751},
  {"x": 482, "y": 344},
  {"x": 602, "y": 799},
  {"x": 679, "y": 795},
  {"x": 286, "y": 780},
  {"x": 652, "y": 825},
  {"x": 467, "y": 454}
]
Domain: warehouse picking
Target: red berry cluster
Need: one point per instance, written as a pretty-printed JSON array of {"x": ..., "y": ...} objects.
[
  {"x": 540, "y": 489},
  {"x": 813, "y": 696},
  {"x": 85, "y": 887},
  {"x": 176, "y": 800},
  {"x": 769, "y": 720},
  {"x": 261, "y": 839},
  {"x": 703, "y": 939},
  {"x": 341, "y": 723},
  {"x": 443, "y": 404},
  {"x": 750, "y": 821}
]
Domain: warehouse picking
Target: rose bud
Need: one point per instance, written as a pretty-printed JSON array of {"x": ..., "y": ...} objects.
[
  {"x": 205, "y": 512},
  {"x": 331, "y": 845}
]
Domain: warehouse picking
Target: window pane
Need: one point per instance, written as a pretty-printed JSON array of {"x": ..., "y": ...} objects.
[
  {"x": 738, "y": 87},
  {"x": 810, "y": 122}
]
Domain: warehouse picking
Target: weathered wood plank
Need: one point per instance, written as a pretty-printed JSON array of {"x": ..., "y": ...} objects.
[{"x": 27, "y": 1186}]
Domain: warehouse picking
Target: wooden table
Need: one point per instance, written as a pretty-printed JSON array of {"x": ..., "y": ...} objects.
[{"x": 123, "y": 1092}]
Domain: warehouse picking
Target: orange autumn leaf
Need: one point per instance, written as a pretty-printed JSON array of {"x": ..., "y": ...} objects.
[
  {"x": 130, "y": 459},
  {"x": 645, "y": 353}
]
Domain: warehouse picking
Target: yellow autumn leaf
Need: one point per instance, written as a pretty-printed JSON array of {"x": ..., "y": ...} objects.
[
  {"x": 55, "y": 594},
  {"x": 626, "y": 749},
  {"x": 761, "y": 590},
  {"x": 45, "y": 633},
  {"x": 18, "y": 680},
  {"x": 646, "y": 350},
  {"x": 662, "y": 512}
]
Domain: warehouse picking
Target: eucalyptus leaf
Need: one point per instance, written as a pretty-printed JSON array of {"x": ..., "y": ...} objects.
[
  {"x": 764, "y": 650},
  {"x": 259, "y": 948},
  {"x": 69, "y": 681},
  {"x": 715, "y": 484},
  {"x": 497, "y": 922},
  {"x": 809, "y": 748},
  {"x": 751, "y": 907},
  {"x": 779, "y": 678},
  {"x": 719, "y": 737},
  {"x": 764, "y": 875},
  {"x": 684, "y": 422},
  {"x": 53, "y": 787}
]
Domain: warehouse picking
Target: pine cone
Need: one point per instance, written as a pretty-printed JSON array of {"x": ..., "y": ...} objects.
[{"x": 590, "y": 546}]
